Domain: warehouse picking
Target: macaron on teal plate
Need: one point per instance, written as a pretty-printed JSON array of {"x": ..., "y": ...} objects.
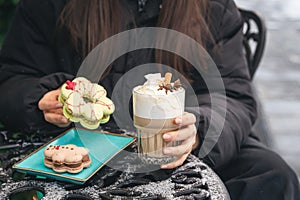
[{"x": 102, "y": 148}]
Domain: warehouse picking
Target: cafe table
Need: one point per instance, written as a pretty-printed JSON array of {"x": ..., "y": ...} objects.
[{"x": 121, "y": 178}]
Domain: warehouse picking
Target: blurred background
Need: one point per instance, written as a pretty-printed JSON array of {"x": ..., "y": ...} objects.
[{"x": 277, "y": 79}]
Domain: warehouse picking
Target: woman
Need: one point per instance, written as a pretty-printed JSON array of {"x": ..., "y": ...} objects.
[{"x": 49, "y": 39}]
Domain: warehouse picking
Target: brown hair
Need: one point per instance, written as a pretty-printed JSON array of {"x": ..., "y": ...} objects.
[{"x": 90, "y": 22}]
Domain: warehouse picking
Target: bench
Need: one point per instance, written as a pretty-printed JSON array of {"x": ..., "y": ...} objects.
[{"x": 254, "y": 45}]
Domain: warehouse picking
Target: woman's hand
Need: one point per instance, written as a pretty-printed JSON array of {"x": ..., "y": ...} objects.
[
  {"x": 52, "y": 109},
  {"x": 187, "y": 134}
]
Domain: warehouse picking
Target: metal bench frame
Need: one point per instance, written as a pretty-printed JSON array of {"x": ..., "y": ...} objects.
[
  {"x": 254, "y": 39},
  {"x": 254, "y": 45}
]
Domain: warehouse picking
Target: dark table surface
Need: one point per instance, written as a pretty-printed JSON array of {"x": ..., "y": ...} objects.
[{"x": 120, "y": 179}]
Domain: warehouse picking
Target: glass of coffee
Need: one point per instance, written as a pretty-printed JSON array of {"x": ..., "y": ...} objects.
[{"x": 155, "y": 106}]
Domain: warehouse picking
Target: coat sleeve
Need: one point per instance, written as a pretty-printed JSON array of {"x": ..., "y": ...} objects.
[
  {"x": 240, "y": 112},
  {"x": 28, "y": 67}
]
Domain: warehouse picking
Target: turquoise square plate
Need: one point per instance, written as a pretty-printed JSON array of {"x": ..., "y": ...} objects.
[{"x": 102, "y": 148}]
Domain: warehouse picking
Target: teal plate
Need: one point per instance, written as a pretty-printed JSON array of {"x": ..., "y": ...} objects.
[{"x": 102, "y": 148}]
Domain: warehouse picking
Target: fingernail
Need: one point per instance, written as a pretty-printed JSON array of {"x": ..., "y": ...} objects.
[
  {"x": 64, "y": 120},
  {"x": 163, "y": 166},
  {"x": 178, "y": 120},
  {"x": 59, "y": 105},
  {"x": 166, "y": 136},
  {"x": 167, "y": 151}
]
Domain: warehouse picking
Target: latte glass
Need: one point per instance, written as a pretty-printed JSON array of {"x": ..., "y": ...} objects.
[{"x": 154, "y": 115}]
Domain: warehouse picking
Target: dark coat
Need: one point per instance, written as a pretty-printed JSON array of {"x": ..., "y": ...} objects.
[{"x": 35, "y": 59}]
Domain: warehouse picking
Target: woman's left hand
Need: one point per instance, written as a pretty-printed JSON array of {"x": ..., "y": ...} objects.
[{"x": 187, "y": 134}]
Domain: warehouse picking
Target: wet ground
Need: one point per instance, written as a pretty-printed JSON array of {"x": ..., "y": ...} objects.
[{"x": 278, "y": 78}]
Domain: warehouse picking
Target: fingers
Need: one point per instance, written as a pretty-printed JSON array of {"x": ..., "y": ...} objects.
[
  {"x": 58, "y": 111},
  {"x": 183, "y": 148},
  {"x": 63, "y": 125},
  {"x": 48, "y": 105},
  {"x": 52, "y": 109},
  {"x": 180, "y": 160},
  {"x": 50, "y": 101},
  {"x": 185, "y": 119},
  {"x": 180, "y": 134},
  {"x": 56, "y": 119},
  {"x": 187, "y": 133}
]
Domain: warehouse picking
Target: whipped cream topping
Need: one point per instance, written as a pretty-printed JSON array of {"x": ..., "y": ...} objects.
[{"x": 151, "y": 102}]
